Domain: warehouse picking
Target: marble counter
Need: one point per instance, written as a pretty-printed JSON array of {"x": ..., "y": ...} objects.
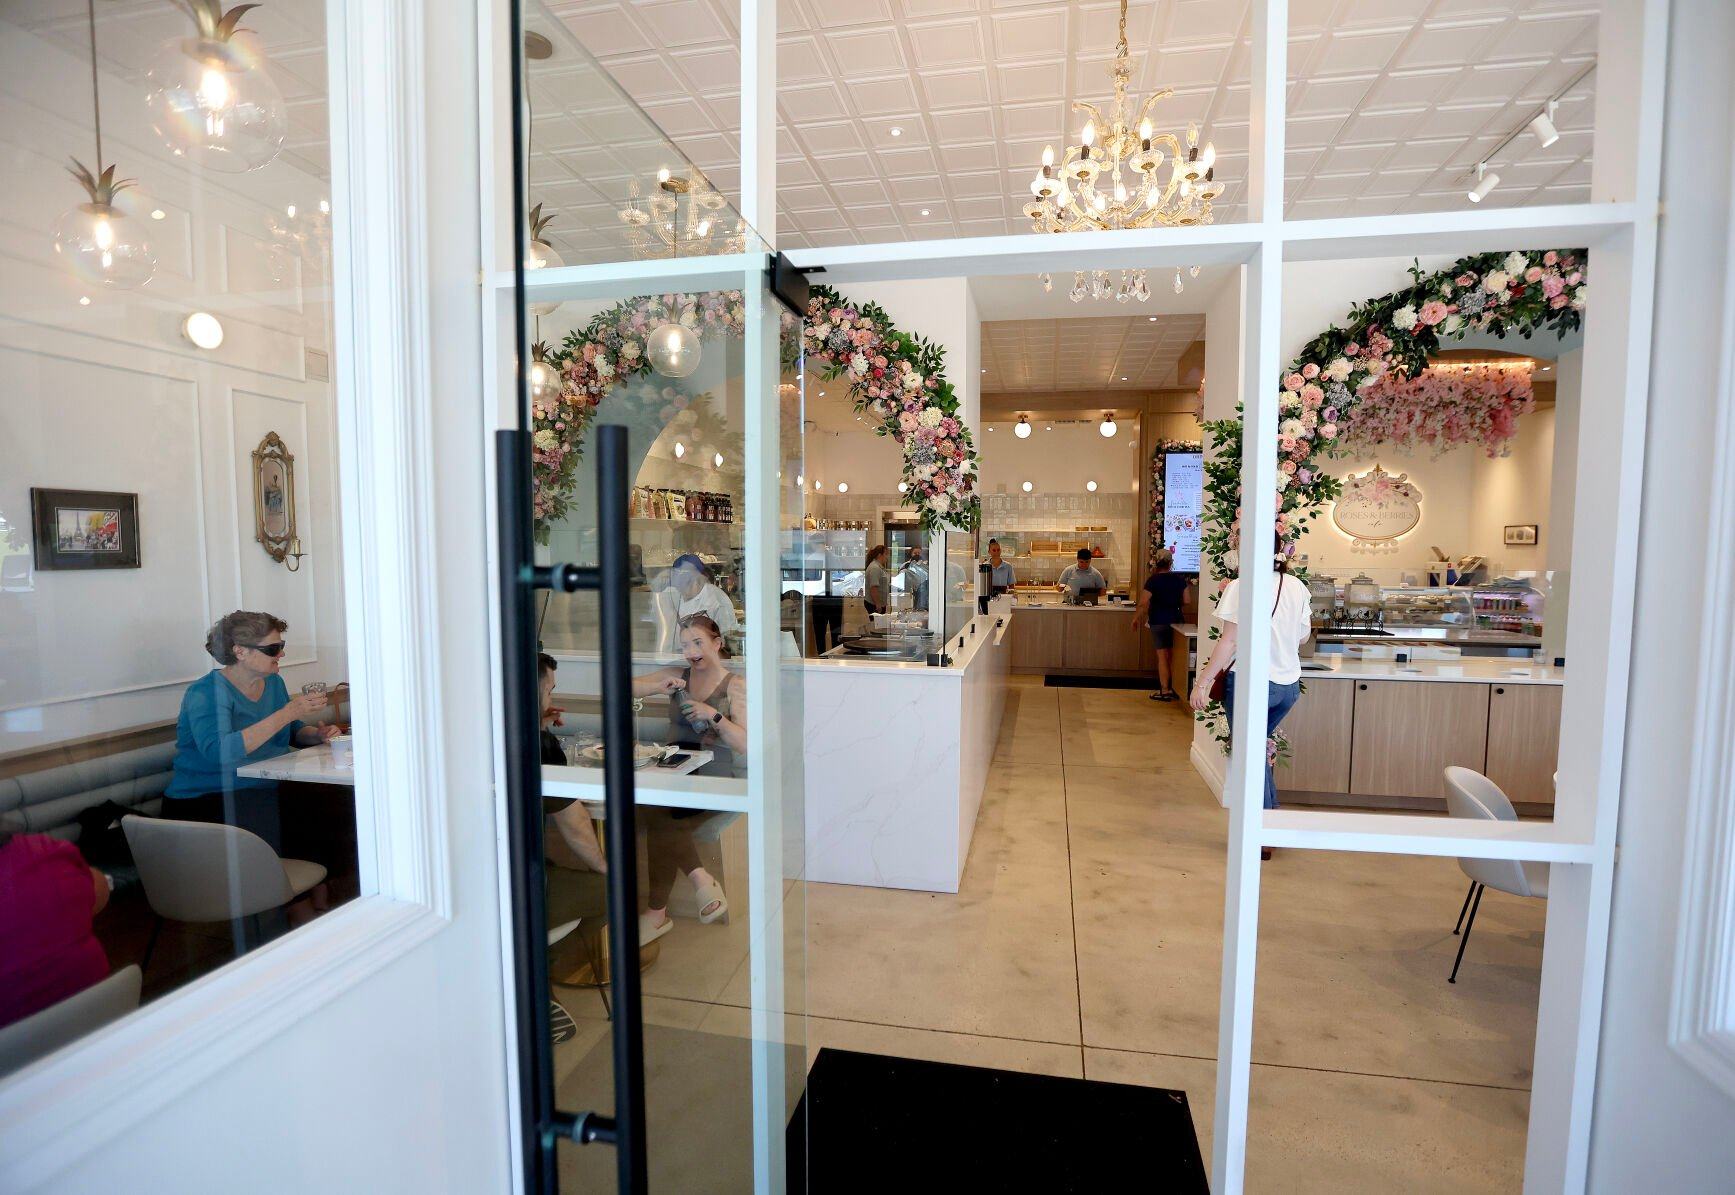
[
  {"x": 897, "y": 756},
  {"x": 1478, "y": 670}
]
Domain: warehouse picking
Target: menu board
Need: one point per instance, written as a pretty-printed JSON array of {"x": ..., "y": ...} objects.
[{"x": 1183, "y": 507}]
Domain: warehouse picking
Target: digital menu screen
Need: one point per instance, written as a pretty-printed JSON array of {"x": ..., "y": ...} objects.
[{"x": 1183, "y": 507}]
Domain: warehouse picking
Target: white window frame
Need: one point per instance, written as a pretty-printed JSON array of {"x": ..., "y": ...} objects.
[
  {"x": 1619, "y": 226},
  {"x": 67, "y": 1107}
]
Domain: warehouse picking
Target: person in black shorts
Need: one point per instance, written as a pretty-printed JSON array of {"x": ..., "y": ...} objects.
[{"x": 1160, "y": 609}]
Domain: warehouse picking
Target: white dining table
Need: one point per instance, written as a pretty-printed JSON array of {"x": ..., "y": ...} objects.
[{"x": 307, "y": 765}]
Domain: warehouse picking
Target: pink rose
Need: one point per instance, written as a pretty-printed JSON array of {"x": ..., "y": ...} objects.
[
  {"x": 1312, "y": 395},
  {"x": 1553, "y": 285},
  {"x": 1533, "y": 274},
  {"x": 1557, "y": 302},
  {"x": 1352, "y": 349},
  {"x": 1550, "y": 258},
  {"x": 1574, "y": 278},
  {"x": 1433, "y": 312},
  {"x": 1294, "y": 382},
  {"x": 1466, "y": 279},
  {"x": 1310, "y": 371}
]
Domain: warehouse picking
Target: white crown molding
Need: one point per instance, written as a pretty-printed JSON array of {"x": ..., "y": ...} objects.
[{"x": 1702, "y": 1015}]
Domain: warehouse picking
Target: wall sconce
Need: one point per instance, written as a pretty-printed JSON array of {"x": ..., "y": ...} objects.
[{"x": 292, "y": 557}]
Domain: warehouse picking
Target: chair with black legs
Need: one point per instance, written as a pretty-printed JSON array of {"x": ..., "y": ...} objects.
[{"x": 1470, "y": 794}]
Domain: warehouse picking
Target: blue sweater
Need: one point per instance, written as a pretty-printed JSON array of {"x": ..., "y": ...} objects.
[{"x": 208, "y": 745}]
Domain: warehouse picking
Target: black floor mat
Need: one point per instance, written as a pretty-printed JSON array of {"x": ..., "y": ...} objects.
[
  {"x": 873, "y": 1123},
  {"x": 1099, "y": 682}
]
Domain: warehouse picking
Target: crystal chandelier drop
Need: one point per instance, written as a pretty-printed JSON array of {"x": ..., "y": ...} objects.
[
  {"x": 683, "y": 217},
  {"x": 1111, "y": 179}
]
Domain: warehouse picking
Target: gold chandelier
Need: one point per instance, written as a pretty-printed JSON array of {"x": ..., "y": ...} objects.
[
  {"x": 683, "y": 217},
  {"x": 1110, "y": 179}
]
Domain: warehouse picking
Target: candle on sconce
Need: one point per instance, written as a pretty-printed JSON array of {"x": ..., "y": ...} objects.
[{"x": 293, "y": 554}]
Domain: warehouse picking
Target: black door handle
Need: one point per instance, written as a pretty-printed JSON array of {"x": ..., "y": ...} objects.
[
  {"x": 1499, "y": 690},
  {"x": 1363, "y": 688}
]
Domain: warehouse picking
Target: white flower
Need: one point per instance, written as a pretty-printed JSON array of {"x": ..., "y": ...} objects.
[
  {"x": 630, "y": 350},
  {"x": 1451, "y": 324},
  {"x": 1404, "y": 318},
  {"x": 1497, "y": 282},
  {"x": 931, "y": 416},
  {"x": 603, "y": 368},
  {"x": 912, "y": 380},
  {"x": 1578, "y": 299},
  {"x": 858, "y": 364},
  {"x": 1516, "y": 262},
  {"x": 1294, "y": 429},
  {"x": 1338, "y": 370},
  {"x": 546, "y": 440},
  {"x": 940, "y": 503}
]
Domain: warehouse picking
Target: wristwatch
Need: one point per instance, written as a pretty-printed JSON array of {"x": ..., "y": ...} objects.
[{"x": 716, "y": 717}]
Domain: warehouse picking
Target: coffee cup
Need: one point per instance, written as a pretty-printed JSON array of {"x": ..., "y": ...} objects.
[{"x": 343, "y": 750}]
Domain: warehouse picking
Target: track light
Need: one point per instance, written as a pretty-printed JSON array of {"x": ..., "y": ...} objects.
[
  {"x": 1542, "y": 124},
  {"x": 1486, "y": 181}
]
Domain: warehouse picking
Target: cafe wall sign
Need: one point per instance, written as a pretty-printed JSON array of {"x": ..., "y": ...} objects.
[{"x": 1376, "y": 509}]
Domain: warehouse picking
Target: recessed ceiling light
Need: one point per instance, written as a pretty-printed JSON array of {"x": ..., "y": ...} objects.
[
  {"x": 990, "y": 427},
  {"x": 680, "y": 450},
  {"x": 157, "y": 213},
  {"x": 924, "y": 211},
  {"x": 84, "y": 300},
  {"x": 1123, "y": 377},
  {"x": 818, "y": 484},
  {"x": 717, "y": 460},
  {"x": 843, "y": 487},
  {"x": 1151, "y": 318},
  {"x": 1091, "y": 486},
  {"x": 799, "y": 480},
  {"x": 1027, "y": 487},
  {"x": 896, "y": 131},
  {"x": 202, "y": 329}
]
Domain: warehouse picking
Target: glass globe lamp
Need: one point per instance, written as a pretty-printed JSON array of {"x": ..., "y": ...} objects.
[
  {"x": 101, "y": 241},
  {"x": 211, "y": 99},
  {"x": 673, "y": 350},
  {"x": 540, "y": 255},
  {"x": 544, "y": 378}
]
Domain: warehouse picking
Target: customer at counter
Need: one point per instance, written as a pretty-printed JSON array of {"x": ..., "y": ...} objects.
[
  {"x": 878, "y": 582},
  {"x": 1076, "y": 580},
  {"x": 1160, "y": 609},
  {"x": 1000, "y": 574},
  {"x": 1290, "y": 627}
]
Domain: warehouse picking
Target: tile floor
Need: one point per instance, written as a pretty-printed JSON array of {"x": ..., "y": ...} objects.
[{"x": 1086, "y": 941}]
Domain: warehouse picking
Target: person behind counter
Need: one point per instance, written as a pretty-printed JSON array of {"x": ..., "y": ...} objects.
[
  {"x": 878, "y": 582},
  {"x": 1160, "y": 609},
  {"x": 1000, "y": 575},
  {"x": 915, "y": 573},
  {"x": 1290, "y": 626},
  {"x": 695, "y": 593},
  {"x": 707, "y": 710},
  {"x": 1078, "y": 579}
]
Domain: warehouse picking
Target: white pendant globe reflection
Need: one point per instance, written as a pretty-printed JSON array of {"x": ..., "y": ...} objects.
[
  {"x": 673, "y": 350},
  {"x": 100, "y": 244},
  {"x": 212, "y": 102},
  {"x": 544, "y": 382},
  {"x": 542, "y": 256}
]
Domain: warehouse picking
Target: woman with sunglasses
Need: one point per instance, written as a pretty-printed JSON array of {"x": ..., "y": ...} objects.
[{"x": 236, "y": 715}]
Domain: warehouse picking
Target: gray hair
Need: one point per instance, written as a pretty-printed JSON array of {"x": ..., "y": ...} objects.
[
  {"x": 240, "y": 628},
  {"x": 1161, "y": 559}
]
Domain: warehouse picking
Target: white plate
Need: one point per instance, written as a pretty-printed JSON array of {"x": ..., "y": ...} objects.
[{"x": 644, "y": 754}]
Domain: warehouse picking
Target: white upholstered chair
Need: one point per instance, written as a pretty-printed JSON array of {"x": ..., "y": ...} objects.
[
  {"x": 204, "y": 871},
  {"x": 1470, "y": 794},
  {"x": 42, "y": 1033}
]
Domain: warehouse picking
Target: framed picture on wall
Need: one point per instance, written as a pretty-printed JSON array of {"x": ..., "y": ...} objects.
[
  {"x": 1522, "y": 535},
  {"x": 83, "y": 529}
]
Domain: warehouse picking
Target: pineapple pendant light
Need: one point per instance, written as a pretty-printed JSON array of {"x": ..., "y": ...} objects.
[
  {"x": 211, "y": 99},
  {"x": 102, "y": 241},
  {"x": 544, "y": 378},
  {"x": 541, "y": 256}
]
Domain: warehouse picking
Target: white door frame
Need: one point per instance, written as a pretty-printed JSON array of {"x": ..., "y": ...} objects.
[{"x": 1619, "y": 226}]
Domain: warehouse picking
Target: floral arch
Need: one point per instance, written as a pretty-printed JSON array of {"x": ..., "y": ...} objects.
[
  {"x": 1370, "y": 382},
  {"x": 894, "y": 377}
]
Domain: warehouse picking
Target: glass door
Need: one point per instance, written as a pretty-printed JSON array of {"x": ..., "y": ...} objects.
[{"x": 648, "y": 461}]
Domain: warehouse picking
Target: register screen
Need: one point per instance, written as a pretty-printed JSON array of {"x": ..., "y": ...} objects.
[{"x": 1183, "y": 502}]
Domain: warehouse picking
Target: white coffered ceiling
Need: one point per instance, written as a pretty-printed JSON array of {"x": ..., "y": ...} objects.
[
  {"x": 1101, "y": 353},
  {"x": 1391, "y": 101}
]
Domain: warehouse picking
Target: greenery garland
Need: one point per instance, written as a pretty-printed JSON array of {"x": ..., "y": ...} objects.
[{"x": 896, "y": 377}]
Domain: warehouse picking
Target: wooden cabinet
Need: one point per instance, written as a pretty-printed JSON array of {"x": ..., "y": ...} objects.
[
  {"x": 1102, "y": 641},
  {"x": 1318, "y": 729},
  {"x": 1524, "y": 741},
  {"x": 1407, "y": 732},
  {"x": 1038, "y": 638}
]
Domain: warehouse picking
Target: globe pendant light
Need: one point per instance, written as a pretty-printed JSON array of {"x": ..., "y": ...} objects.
[
  {"x": 674, "y": 350},
  {"x": 101, "y": 241},
  {"x": 212, "y": 100},
  {"x": 540, "y": 255},
  {"x": 544, "y": 378}
]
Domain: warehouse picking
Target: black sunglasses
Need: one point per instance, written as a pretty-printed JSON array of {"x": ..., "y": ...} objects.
[{"x": 270, "y": 649}]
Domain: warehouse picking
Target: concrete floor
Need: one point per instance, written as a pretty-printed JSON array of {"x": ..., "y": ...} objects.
[{"x": 1087, "y": 941}]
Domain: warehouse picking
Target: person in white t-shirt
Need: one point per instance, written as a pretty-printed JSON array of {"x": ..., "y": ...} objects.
[
  {"x": 695, "y": 593},
  {"x": 1291, "y": 623}
]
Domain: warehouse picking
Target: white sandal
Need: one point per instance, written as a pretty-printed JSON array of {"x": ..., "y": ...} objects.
[
  {"x": 711, "y": 893},
  {"x": 649, "y": 932}
]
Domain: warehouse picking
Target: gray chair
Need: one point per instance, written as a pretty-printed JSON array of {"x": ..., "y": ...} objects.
[
  {"x": 42, "y": 1033},
  {"x": 1470, "y": 794},
  {"x": 203, "y": 871}
]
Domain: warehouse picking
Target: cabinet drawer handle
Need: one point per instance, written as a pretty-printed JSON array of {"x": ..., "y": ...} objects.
[
  {"x": 1499, "y": 689},
  {"x": 1363, "y": 688}
]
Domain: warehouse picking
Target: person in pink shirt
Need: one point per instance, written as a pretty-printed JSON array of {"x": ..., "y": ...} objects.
[{"x": 48, "y": 898}]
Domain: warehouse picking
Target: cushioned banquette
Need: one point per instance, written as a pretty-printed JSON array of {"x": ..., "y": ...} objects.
[{"x": 49, "y": 800}]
